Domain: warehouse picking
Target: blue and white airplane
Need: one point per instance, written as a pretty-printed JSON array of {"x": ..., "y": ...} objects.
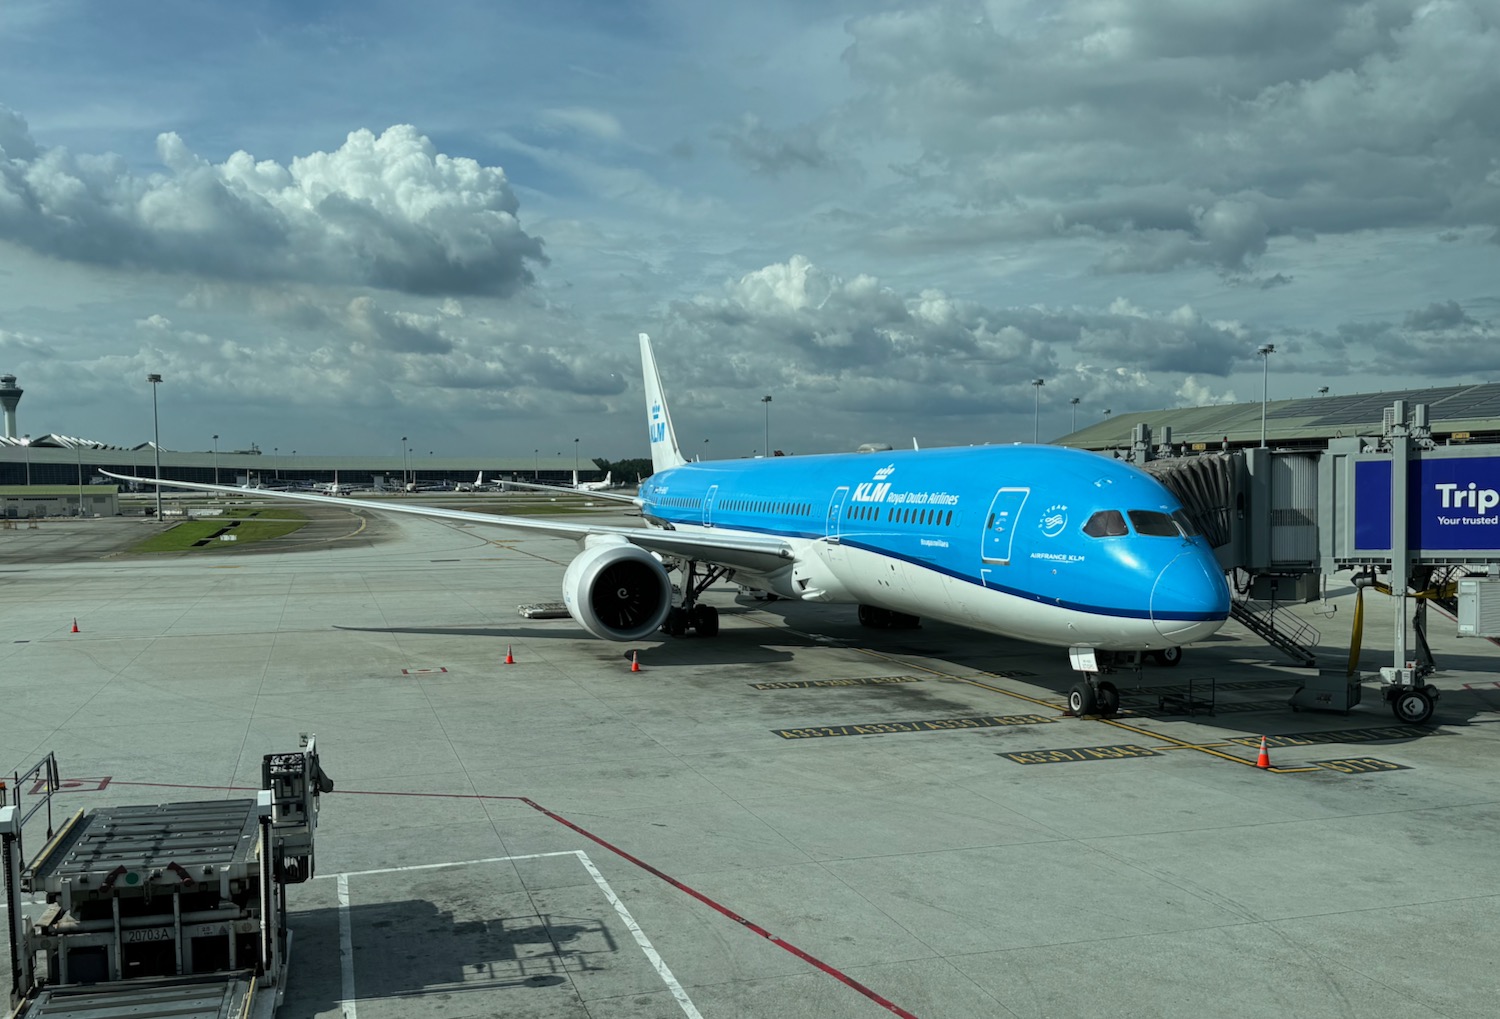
[{"x": 1039, "y": 543}]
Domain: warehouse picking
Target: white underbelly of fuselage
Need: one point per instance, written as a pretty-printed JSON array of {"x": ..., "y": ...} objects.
[{"x": 836, "y": 573}]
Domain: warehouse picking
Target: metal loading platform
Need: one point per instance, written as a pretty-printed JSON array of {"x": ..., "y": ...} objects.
[{"x": 174, "y": 909}]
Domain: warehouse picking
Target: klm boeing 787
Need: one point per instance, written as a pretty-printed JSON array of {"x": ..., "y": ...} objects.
[{"x": 1040, "y": 543}]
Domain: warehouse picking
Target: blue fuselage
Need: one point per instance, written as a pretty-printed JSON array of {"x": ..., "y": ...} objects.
[{"x": 1041, "y": 542}]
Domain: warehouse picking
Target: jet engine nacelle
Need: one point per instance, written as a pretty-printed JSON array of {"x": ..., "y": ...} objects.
[{"x": 617, "y": 591}]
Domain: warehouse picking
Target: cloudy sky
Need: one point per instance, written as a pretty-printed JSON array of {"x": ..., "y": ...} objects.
[{"x": 330, "y": 225}]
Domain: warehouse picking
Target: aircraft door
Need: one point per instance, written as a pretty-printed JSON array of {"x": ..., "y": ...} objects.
[
  {"x": 1000, "y": 525},
  {"x": 835, "y": 515},
  {"x": 708, "y": 505}
]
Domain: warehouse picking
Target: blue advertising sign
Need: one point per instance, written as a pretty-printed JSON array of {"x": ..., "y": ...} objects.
[{"x": 1453, "y": 504}]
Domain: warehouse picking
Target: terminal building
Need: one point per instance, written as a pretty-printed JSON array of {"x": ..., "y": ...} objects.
[{"x": 70, "y": 461}]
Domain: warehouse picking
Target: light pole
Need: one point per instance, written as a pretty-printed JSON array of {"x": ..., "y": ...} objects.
[
  {"x": 403, "y": 463},
  {"x": 767, "y": 401},
  {"x": 26, "y": 445},
  {"x": 536, "y": 465},
  {"x": 575, "y": 461},
  {"x": 78, "y": 453},
  {"x": 155, "y": 381},
  {"x": 1265, "y": 350},
  {"x": 1074, "y": 402},
  {"x": 216, "y": 459},
  {"x": 1036, "y": 414}
]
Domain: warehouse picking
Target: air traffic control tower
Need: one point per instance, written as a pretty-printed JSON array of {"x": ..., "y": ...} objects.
[{"x": 10, "y": 395}]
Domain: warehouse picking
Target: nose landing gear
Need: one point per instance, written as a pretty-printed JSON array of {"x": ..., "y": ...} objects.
[{"x": 1091, "y": 695}]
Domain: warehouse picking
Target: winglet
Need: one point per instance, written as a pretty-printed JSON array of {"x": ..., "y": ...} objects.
[{"x": 664, "y": 451}]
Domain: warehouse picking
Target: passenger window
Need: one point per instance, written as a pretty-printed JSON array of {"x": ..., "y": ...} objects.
[
  {"x": 1105, "y": 524},
  {"x": 1153, "y": 524}
]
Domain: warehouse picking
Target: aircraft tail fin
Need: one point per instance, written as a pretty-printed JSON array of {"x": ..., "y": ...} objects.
[
  {"x": 606, "y": 478},
  {"x": 664, "y": 450}
]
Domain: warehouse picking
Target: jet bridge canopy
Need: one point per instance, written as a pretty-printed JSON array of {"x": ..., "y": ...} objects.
[{"x": 1451, "y": 505}]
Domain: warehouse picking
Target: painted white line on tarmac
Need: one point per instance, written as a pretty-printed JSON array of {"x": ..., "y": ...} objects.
[
  {"x": 346, "y": 932},
  {"x": 652, "y": 957}
]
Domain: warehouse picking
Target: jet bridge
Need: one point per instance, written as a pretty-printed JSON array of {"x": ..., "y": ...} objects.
[
  {"x": 166, "y": 909},
  {"x": 1407, "y": 516}
]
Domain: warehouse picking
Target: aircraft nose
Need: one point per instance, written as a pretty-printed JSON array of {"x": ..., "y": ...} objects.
[{"x": 1191, "y": 599}]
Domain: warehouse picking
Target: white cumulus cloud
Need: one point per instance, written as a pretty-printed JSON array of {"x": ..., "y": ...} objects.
[{"x": 385, "y": 211}]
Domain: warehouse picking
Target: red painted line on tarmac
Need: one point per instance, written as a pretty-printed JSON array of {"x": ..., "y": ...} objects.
[{"x": 718, "y": 907}]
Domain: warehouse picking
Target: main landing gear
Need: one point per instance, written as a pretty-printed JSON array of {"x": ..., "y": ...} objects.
[
  {"x": 886, "y": 619},
  {"x": 701, "y": 619}
]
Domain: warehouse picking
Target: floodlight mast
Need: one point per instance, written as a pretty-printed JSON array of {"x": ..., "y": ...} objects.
[
  {"x": 1265, "y": 351},
  {"x": 155, "y": 381}
]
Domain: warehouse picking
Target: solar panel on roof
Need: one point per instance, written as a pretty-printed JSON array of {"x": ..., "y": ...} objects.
[
  {"x": 1371, "y": 409},
  {"x": 1474, "y": 402}
]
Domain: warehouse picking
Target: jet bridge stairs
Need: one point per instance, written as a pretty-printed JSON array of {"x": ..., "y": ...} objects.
[{"x": 1283, "y": 631}]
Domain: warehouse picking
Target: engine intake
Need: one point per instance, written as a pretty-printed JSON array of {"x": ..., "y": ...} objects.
[{"x": 617, "y": 591}]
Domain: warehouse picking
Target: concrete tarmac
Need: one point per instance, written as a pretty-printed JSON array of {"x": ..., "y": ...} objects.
[{"x": 799, "y": 817}]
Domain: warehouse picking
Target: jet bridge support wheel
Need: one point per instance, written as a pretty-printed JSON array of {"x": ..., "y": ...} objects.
[{"x": 1412, "y": 705}]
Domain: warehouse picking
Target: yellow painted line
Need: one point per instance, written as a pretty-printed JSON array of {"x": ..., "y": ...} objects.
[
  {"x": 363, "y": 523},
  {"x": 1180, "y": 744},
  {"x": 1177, "y": 744},
  {"x": 1009, "y": 693}
]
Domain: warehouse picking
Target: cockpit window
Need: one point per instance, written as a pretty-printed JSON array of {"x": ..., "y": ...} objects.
[
  {"x": 1186, "y": 523},
  {"x": 1151, "y": 523},
  {"x": 1105, "y": 524}
]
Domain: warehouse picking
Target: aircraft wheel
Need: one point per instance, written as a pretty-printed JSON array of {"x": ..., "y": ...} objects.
[
  {"x": 706, "y": 620},
  {"x": 867, "y": 616},
  {"x": 1109, "y": 700},
  {"x": 1412, "y": 706},
  {"x": 1171, "y": 657},
  {"x": 676, "y": 623},
  {"x": 1081, "y": 700}
]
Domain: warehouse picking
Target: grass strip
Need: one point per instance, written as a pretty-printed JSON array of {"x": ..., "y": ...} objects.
[{"x": 247, "y": 530}]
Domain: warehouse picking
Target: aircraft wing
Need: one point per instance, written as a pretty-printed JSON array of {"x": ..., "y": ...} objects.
[
  {"x": 737, "y": 551},
  {"x": 592, "y": 493}
]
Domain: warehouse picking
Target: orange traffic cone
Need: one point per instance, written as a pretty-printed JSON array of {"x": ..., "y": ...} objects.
[
  {"x": 510, "y": 659},
  {"x": 75, "y": 624},
  {"x": 1263, "y": 760},
  {"x": 635, "y": 666}
]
